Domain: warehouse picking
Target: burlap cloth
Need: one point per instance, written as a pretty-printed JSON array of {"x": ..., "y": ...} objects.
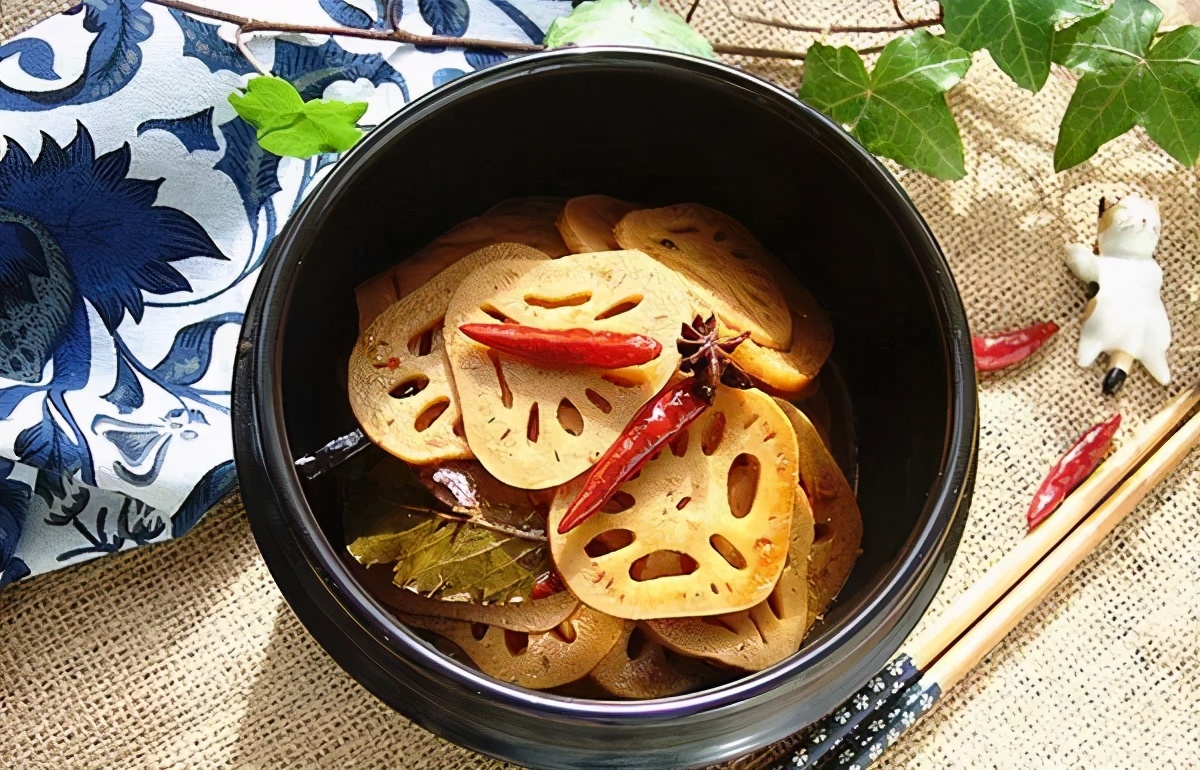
[{"x": 186, "y": 655}]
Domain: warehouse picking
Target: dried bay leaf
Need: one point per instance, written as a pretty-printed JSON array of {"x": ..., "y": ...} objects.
[
  {"x": 443, "y": 559},
  {"x": 468, "y": 489},
  {"x": 390, "y": 516}
]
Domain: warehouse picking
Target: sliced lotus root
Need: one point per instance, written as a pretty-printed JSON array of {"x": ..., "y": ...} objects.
[
  {"x": 724, "y": 262},
  {"x": 587, "y": 222},
  {"x": 400, "y": 385},
  {"x": 529, "y": 206},
  {"x": 702, "y": 530},
  {"x": 534, "y": 616},
  {"x": 537, "y": 661},
  {"x": 763, "y": 635},
  {"x": 838, "y": 530},
  {"x": 535, "y": 426},
  {"x": 638, "y": 667},
  {"x": 788, "y": 373},
  {"x": 528, "y": 221}
]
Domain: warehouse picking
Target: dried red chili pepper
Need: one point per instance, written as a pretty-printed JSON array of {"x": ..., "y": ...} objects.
[
  {"x": 548, "y": 584},
  {"x": 999, "y": 351},
  {"x": 566, "y": 347},
  {"x": 1071, "y": 469},
  {"x": 662, "y": 418}
]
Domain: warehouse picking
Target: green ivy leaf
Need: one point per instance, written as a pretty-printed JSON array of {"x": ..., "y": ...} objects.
[
  {"x": 1019, "y": 34},
  {"x": 627, "y": 22},
  {"x": 1128, "y": 82},
  {"x": 899, "y": 110},
  {"x": 288, "y": 125}
]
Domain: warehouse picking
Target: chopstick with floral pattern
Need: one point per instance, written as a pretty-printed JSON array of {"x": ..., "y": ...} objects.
[{"x": 856, "y": 733}]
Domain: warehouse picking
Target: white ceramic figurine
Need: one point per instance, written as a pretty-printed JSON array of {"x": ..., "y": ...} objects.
[{"x": 1125, "y": 318}]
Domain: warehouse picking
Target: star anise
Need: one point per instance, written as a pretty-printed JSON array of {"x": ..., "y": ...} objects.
[{"x": 708, "y": 355}]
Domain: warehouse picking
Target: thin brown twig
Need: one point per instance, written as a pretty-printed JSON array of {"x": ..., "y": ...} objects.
[
  {"x": 240, "y": 40},
  {"x": 776, "y": 53},
  {"x": 692, "y": 10},
  {"x": 833, "y": 28},
  {"x": 246, "y": 25},
  {"x": 899, "y": 13}
]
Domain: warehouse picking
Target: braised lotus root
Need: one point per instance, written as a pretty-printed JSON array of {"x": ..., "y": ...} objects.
[
  {"x": 537, "y": 661},
  {"x": 702, "y": 530},
  {"x": 527, "y": 221},
  {"x": 638, "y": 667},
  {"x": 788, "y": 373},
  {"x": 768, "y": 632},
  {"x": 587, "y": 222},
  {"x": 715, "y": 556},
  {"x": 533, "y": 616},
  {"x": 723, "y": 262},
  {"x": 536, "y": 426},
  {"x": 838, "y": 522},
  {"x": 401, "y": 388}
]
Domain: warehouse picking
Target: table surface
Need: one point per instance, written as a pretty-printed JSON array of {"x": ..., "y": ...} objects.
[{"x": 186, "y": 655}]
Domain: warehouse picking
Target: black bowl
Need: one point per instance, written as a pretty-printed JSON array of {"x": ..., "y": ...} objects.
[{"x": 662, "y": 129}]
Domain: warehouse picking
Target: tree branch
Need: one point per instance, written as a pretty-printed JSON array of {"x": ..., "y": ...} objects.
[
  {"x": 247, "y": 25},
  {"x": 835, "y": 28}
]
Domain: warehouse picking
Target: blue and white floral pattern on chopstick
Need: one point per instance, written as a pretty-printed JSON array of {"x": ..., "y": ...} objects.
[{"x": 135, "y": 211}]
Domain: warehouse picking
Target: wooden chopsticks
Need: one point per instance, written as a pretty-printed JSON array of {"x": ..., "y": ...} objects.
[{"x": 856, "y": 733}]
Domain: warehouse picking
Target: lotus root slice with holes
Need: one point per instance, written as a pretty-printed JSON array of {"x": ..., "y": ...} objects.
[
  {"x": 726, "y": 267},
  {"x": 638, "y": 667},
  {"x": 587, "y": 222},
  {"x": 536, "y": 426},
  {"x": 527, "y": 221},
  {"x": 412, "y": 410},
  {"x": 533, "y": 616},
  {"x": 768, "y": 632},
  {"x": 788, "y": 373},
  {"x": 537, "y": 661},
  {"x": 838, "y": 523},
  {"x": 702, "y": 530}
]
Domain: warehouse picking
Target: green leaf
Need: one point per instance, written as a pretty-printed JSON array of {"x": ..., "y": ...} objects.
[
  {"x": 389, "y": 517},
  {"x": 288, "y": 125},
  {"x": 899, "y": 110},
  {"x": 445, "y": 560},
  {"x": 643, "y": 23},
  {"x": 1128, "y": 81},
  {"x": 1019, "y": 34}
]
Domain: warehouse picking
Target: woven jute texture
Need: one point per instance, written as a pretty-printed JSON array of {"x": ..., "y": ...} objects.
[
  {"x": 186, "y": 655},
  {"x": 16, "y": 15}
]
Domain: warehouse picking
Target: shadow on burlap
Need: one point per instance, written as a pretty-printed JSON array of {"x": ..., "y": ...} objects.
[{"x": 185, "y": 655}]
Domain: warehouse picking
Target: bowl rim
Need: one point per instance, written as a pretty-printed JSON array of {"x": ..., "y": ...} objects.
[{"x": 262, "y": 447}]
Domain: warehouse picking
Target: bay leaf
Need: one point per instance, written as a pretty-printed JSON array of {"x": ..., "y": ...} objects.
[
  {"x": 390, "y": 516},
  {"x": 444, "y": 559},
  {"x": 467, "y": 488}
]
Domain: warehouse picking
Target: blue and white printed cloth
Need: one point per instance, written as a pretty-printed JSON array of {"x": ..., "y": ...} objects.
[{"x": 135, "y": 211}]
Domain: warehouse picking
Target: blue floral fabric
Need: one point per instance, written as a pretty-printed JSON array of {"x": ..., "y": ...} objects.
[{"x": 135, "y": 211}]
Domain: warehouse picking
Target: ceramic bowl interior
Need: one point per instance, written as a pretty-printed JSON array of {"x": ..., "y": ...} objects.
[{"x": 661, "y": 130}]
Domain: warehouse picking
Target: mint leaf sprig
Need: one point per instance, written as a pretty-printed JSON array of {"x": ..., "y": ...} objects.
[{"x": 289, "y": 126}]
